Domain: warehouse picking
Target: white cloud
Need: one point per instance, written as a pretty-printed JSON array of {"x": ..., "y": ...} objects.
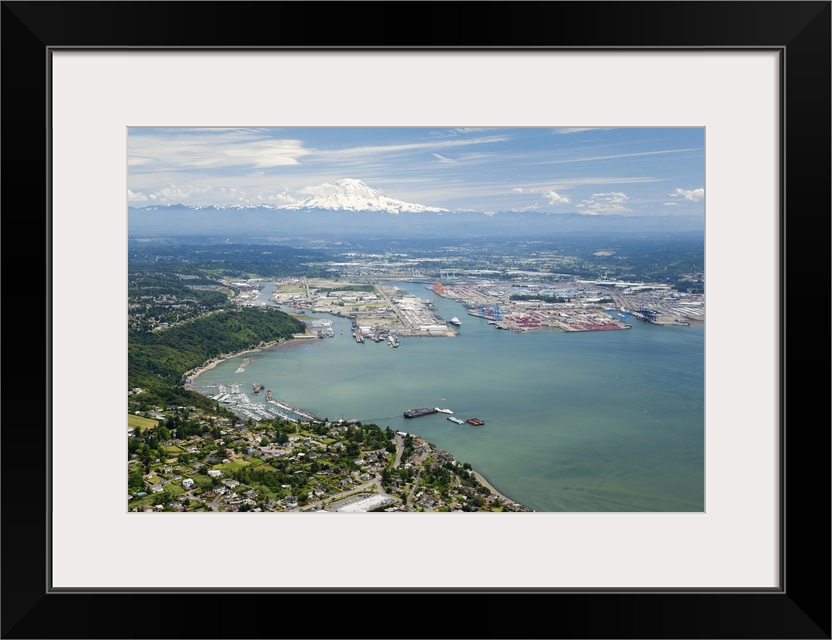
[
  {"x": 178, "y": 193},
  {"x": 695, "y": 195},
  {"x": 552, "y": 196},
  {"x": 604, "y": 203},
  {"x": 207, "y": 195},
  {"x": 671, "y": 204},
  {"x": 555, "y": 198}
]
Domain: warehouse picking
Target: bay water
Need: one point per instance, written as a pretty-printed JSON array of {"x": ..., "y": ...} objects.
[{"x": 607, "y": 421}]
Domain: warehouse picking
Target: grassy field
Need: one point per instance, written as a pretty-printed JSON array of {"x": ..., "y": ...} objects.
[
  {"x": 172, "y": 449},
  {"x": 233, "y": 465},
  {"x": 137, "y": 422}
]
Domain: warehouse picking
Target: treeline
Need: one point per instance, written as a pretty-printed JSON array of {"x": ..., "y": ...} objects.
[
  {"x": 348, "y": 287},
  {"x": 686, "y": 286},
  {"x": 231, "y": 260},
  {"x": 158, "y": 360}
]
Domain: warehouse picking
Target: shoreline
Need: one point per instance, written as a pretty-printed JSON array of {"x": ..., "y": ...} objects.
[
  {"x": 493, "y": 489},
  {"x": 191, "y": 376}
]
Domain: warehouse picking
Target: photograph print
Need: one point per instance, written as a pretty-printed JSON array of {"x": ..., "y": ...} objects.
[{"x": 387, "y": 320}]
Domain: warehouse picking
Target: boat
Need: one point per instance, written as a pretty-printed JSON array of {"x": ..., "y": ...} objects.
[
  {"x": 416, "y": 413},
  {"x": 456, "y": 420},
  {"x": 393, "y": 341},
  {"x": 475, "y": 421},
  {"x": 443, "y": 410},
  {"x": 455, "y": 321}
]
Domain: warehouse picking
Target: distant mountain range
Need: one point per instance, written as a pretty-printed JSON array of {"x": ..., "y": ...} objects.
[{"x": 349, "y": 207}]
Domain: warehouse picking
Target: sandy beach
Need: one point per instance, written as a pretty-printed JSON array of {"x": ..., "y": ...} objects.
[
  {"x": 485, "y": 483},
  {"x": 190, "y": 376}
]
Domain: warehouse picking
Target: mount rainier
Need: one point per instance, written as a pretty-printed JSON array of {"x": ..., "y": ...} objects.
[{"x": 353, "y": 195}]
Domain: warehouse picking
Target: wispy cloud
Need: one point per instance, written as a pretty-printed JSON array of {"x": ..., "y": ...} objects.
[
  {"x": 431, "y": 146},
  {"x": 571, "y": 183},
  {"x": 443, "y": 159},
  {"x": 565, "y": 130},
  {"x": 615, "y": 157},
  {"x": 189, "y": 149}
]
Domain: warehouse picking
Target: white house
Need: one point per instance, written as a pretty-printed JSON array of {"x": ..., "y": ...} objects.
[
  {"x": 188, "y": 483},
  {"x": 215, "y": 473}
]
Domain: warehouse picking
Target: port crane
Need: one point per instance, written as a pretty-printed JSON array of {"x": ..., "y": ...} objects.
[{"x": 495, "y": 313}]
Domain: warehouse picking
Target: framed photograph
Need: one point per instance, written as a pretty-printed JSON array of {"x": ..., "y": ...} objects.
[{"x": 105, "y": 104}]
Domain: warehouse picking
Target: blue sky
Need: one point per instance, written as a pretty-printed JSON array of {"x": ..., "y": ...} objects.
[{"x": 617, "y": 171}]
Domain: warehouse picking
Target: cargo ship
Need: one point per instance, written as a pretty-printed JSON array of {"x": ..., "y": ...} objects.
[
  {"x": 475, "y": 421},
  {"x": 416, "y": 413}
]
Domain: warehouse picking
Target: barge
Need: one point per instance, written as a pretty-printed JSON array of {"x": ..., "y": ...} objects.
[{"x": 417, "y": 413}]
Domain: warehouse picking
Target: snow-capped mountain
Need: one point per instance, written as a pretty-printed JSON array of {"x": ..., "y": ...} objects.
[{"x": 353, "y": 195}]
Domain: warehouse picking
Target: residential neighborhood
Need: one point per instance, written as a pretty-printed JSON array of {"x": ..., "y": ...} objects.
[{"x": 186, "y": 460}]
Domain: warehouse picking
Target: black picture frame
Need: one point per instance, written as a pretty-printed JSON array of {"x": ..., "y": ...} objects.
[{"x": 799, "y": 31}]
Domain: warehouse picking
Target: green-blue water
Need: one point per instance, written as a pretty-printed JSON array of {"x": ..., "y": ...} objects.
[{"x": 595, "y": 421}]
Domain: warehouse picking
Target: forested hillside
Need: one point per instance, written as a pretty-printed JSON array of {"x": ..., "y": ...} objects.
[{"x": 157, "y": 360}]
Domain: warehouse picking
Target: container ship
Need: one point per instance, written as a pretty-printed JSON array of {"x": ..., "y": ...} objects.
[{"x": 416, "y": 413}]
